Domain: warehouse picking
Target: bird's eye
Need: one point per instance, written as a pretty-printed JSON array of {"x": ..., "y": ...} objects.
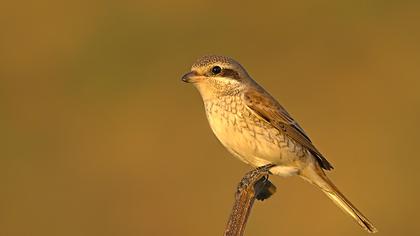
[{"x": 216, "y": 70}]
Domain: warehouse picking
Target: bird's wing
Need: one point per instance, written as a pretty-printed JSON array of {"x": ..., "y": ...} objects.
[{"x": 267, "y": 108}]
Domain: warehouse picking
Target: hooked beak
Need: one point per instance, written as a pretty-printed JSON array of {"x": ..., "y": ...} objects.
[{"x": 190, "y": 77}]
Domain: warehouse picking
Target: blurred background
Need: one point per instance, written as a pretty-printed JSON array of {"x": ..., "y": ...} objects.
[{"x": 100, "y": 137}]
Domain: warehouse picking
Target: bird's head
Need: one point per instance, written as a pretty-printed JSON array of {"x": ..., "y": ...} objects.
[{"x": 217, "y": 75}]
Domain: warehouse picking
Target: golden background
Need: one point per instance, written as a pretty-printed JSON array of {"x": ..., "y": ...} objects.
[{"x": 100, "y": 137}]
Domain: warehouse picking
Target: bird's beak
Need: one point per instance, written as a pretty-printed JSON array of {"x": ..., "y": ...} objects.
[{"x": 190, "y": 77}]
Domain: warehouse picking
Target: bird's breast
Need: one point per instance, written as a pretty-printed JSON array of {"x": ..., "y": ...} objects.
[{"x": 245, "y": 135}]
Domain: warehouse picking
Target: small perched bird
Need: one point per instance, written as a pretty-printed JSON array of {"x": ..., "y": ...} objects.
[{"x": 255, "y": 128}]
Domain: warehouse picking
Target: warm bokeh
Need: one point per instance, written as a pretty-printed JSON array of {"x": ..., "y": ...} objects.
[{"x": 100, "y": 137}]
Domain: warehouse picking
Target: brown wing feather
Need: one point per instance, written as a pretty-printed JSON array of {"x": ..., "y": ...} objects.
[{"x": 265, "y": 106}]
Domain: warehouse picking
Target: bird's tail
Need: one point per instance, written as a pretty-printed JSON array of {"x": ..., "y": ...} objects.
[{"x": 316, "y": 176}]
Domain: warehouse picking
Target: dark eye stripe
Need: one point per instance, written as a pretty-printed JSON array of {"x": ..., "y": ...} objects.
[{"x": 230, "y": 73}]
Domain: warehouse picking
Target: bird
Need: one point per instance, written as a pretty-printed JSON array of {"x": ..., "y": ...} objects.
[{"x": 253, "y": 126}]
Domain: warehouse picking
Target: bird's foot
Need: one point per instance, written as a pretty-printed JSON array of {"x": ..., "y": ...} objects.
[
  {"x": 264, "y": 189},
  {"x": 258, "y": 177}
]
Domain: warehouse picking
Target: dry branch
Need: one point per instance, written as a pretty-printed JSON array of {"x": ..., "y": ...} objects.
[{"x": 254, "y": 185}]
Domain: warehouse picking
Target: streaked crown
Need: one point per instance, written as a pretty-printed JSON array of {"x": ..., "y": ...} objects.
[
  {"x": 216, "y": 76},
  {"x": 219, "y": 66}
]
